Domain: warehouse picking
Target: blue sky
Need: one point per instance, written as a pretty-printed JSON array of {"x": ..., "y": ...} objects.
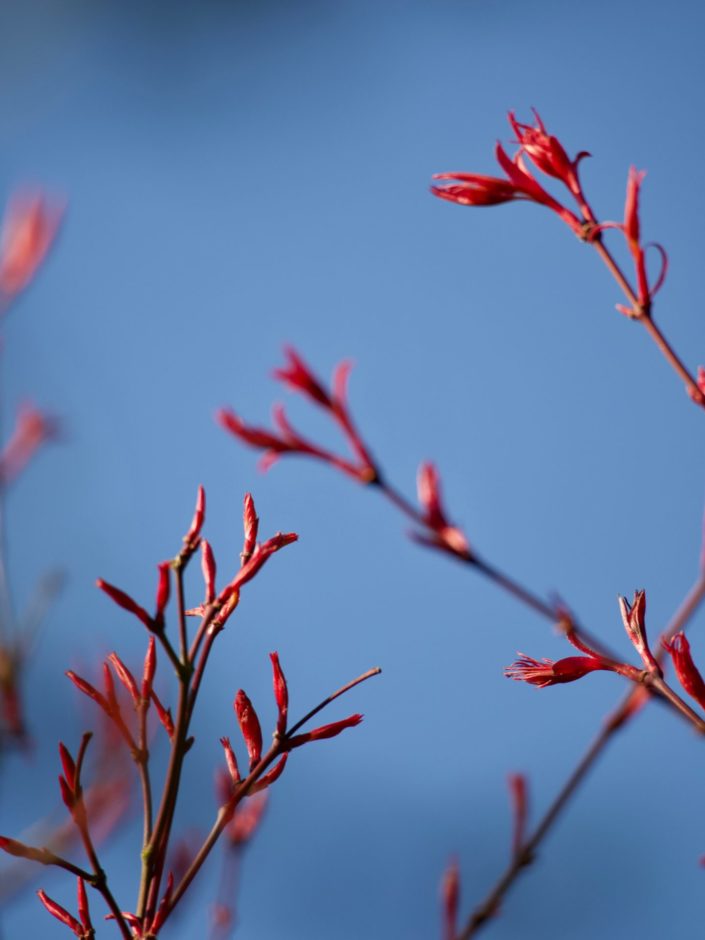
[{"x": 243, "y": 175}]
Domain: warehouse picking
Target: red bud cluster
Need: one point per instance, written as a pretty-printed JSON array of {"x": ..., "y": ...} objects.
[
  {"x": 83, "y": 927},
  {"x": 251, "y": 731},
  {"x": 548, "y": 156},
  {"x": 286, "y": 440}
]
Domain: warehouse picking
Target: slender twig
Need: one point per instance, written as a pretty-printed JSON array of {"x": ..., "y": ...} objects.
[
  {"x": 375, "y": 671},
  {"x": 616, "y": 720},
  {"x": 59, "y": 862},
  {"x": 169, "y": 650}
]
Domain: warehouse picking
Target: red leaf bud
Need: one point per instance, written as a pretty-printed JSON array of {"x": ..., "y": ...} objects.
[
  {"x": 126, "y": 602},
  {"x": 281, "y": 693},
  {"x": 249, "y": 726},
  {"x": 68, "y": 794},
  {"x": 255, "y": 437},
  {"x": 688, "y": 673},
  {"x": 299, "y": 377},
  {"x": 83, "y": 909},
  {"x": 126, "y": 677},
  {"x": 631, "y": 206},
  {"x": 250, "y": 522},
  {"x": 90, "y": 691},
  {"x": 546, "y": 152},
  {"x": 634, "y": 619},
  {"x": 231, "y": 760},
  {"x": 150, "y": 667},
  {"x": 28, "y": 230},
  {"x": 190, "y": 539},
  {"x": 163, "y": 590},
  {"x": 61, "y": 914},
  {"x": 208, "y": 568},
  {"x": 325, "y": 731},
  {"x": 68, "y": 765},
  {"x": 109, "y": 687},
  {"x": 257, "y": 559},
  {"x": 445, "y": 535}
]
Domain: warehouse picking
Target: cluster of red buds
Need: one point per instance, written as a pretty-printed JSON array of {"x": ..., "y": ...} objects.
[
  {"x": 298, "y": 377},
  {"x": 549, "y": 156},
  {"x": 126, "y": 705},
  {"x": 434, "y": 527},
  {"x": 82, "y": 928},
  {"x": 542, "y": 673},
  {"x": 649, "y": 676},
  {"x": 285, "y": 741}
]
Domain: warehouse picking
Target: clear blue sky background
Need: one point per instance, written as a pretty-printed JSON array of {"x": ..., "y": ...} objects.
[{"x": 242, "y": 175}]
